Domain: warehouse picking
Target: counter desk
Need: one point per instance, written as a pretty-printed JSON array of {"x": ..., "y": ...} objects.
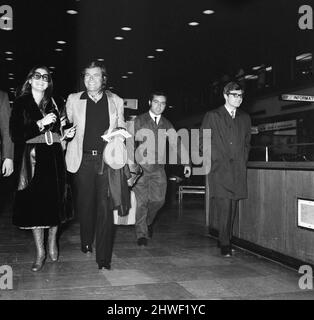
[{"x": 268, "y": 220}]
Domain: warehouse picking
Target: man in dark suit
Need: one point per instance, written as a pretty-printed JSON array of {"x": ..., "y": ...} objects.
[
  {"x": 150, "y": 190},
  {"x": 230, "y": 142},
  {"x": 5, "y": 139}
]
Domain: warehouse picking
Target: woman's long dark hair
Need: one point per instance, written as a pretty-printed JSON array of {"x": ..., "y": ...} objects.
[{"x": 26, "y": 87}]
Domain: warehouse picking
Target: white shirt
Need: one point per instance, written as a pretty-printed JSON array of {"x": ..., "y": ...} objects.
[
  {"x": 153, "y": 116},
  {"x": 230, "y": 111}
]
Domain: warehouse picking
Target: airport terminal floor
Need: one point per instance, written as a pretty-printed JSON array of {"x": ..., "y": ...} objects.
[{"x": 180, "y": 262}]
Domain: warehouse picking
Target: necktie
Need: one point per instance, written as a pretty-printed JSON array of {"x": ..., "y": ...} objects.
[
  {"x": 232, "y": 114},
  {"x": 156, "y": 120}
]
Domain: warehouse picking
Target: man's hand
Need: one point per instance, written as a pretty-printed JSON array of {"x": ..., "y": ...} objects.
[
  {"x": 7, "y": 167},
  {"x": 187, "y": 171},
  {"x": 69, "y": 133}
]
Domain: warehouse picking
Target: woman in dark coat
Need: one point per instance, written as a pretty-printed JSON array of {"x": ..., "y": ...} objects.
[{"x": 36, "y": 131}]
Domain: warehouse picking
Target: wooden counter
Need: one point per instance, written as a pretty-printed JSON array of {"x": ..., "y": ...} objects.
[{"x": 268, "y": 218}]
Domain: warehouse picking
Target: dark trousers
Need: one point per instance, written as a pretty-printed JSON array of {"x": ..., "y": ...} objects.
[
  {"x": 150, "y": 192},
  {"x": 226, "y": 211},
  {"x": 92, "y": 207}
]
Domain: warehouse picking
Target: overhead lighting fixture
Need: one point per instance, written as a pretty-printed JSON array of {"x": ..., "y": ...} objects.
[
  {"x": 304, "y": 57},
  {"x": 160, "y": 50},
  {"x": 11, "y": 74},
  {"x": 124, "y": 77},
  {"x": 11, "y": 78},
  {"x": 52, "y": 67},
  {"x": 8, "y": 52},
  {"x": 208, "y": 11},
  {"x": 100, "y": 59},
  {"x": 9, "y": 59},
  {"x": 150, "y": 57},
  {"x": 269, "y": 68},
  {"x": 193, "y": 23},
  {"x": 111, "y": 88},
  {"x": 12, "y": 89},
  {"x": 118, "y": 38},
  {"x": 72, "y": 11},
  {"x": 258, "y": 67},
  {"x": 58, "y": 49},
  {"x": 61, "y": 42},
  {"x": 126, "y": 28},
  {"x": 130, "y": 72},
  {"x": 250, "y": 77},
  {"x": 170, "y": 107}
]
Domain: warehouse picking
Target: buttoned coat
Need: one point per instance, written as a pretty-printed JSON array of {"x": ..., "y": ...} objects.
[
  {"x": 7, "y": 147},
  {"x": 230, "y": 143},
  {"x": 76, "y": 113}
]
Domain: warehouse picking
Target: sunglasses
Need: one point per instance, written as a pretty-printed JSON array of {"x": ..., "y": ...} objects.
[{"x": 37, "y": 76}]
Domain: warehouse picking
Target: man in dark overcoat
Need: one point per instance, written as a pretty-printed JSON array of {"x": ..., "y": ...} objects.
[
  {"x": 5, "y": 139},
  {"x": 230, "y": 142}
]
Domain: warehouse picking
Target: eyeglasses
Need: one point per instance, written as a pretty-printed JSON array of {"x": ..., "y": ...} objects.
[
  {"x": 38, "y": 76},
  {"x": 236, "y": 95}
]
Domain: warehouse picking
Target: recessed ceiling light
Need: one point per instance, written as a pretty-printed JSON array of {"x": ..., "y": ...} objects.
[
  {"x": 126, "y": 28},
  {"x": 8, "y": 52},
  {"x": 304, "y": 57},
  {"x": 100, "y": 59},
  {"x": 58, "y": 49},
  {"x": 111, "y": 88},
  {"x": 11, "y": 74},
  {"x": 9, "y": 59},
  {"x": 170, "y": 107},
  {"x": 72, "y": 11},
  {"x": 130, "y": 72},
  {"x": 208, "y": 11},
  {"x": 269, "y": 68},
  {"x": 52, "y": 67},
  {"x": 150, "y": 57},
  {"x": 193, "y": 23},
  {"x": 250, "y": 77},
  {"x": 118, "y": 38},
  {"x": 12, "y": 89},
  {"x": 11, "y": 78},
  {"x": 124, "y": 77},
  {"x": 61, "y": 42},
  {"x": 257, "y": 67},
  {"x": 160, "y": 50}
]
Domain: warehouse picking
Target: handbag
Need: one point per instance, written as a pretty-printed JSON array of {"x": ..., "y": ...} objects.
[{"x": 128, "y": 219}]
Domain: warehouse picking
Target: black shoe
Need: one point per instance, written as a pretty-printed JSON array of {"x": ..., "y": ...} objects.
[
  {"x": 150, "y": 231},
  {"x": 104, "y": 266},
  {"x": 142, "y": 242},
  {"x": 226, "y": 251},
  {"x": 87, "y": 249}
]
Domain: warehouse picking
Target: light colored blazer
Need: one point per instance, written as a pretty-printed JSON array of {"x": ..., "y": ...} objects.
[{"x": 76, "y": 112}]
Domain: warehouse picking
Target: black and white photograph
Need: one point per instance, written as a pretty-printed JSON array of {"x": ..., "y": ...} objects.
[{"x": 156, "y": 156}]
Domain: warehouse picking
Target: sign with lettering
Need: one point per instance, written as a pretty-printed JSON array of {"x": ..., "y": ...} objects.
[
  {"x": 277, "y": 125},
  {"x": 297, "y": 97}
]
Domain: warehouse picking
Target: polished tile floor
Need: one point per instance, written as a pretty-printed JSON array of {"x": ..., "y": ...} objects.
[{"x": 180, "y": 262}]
